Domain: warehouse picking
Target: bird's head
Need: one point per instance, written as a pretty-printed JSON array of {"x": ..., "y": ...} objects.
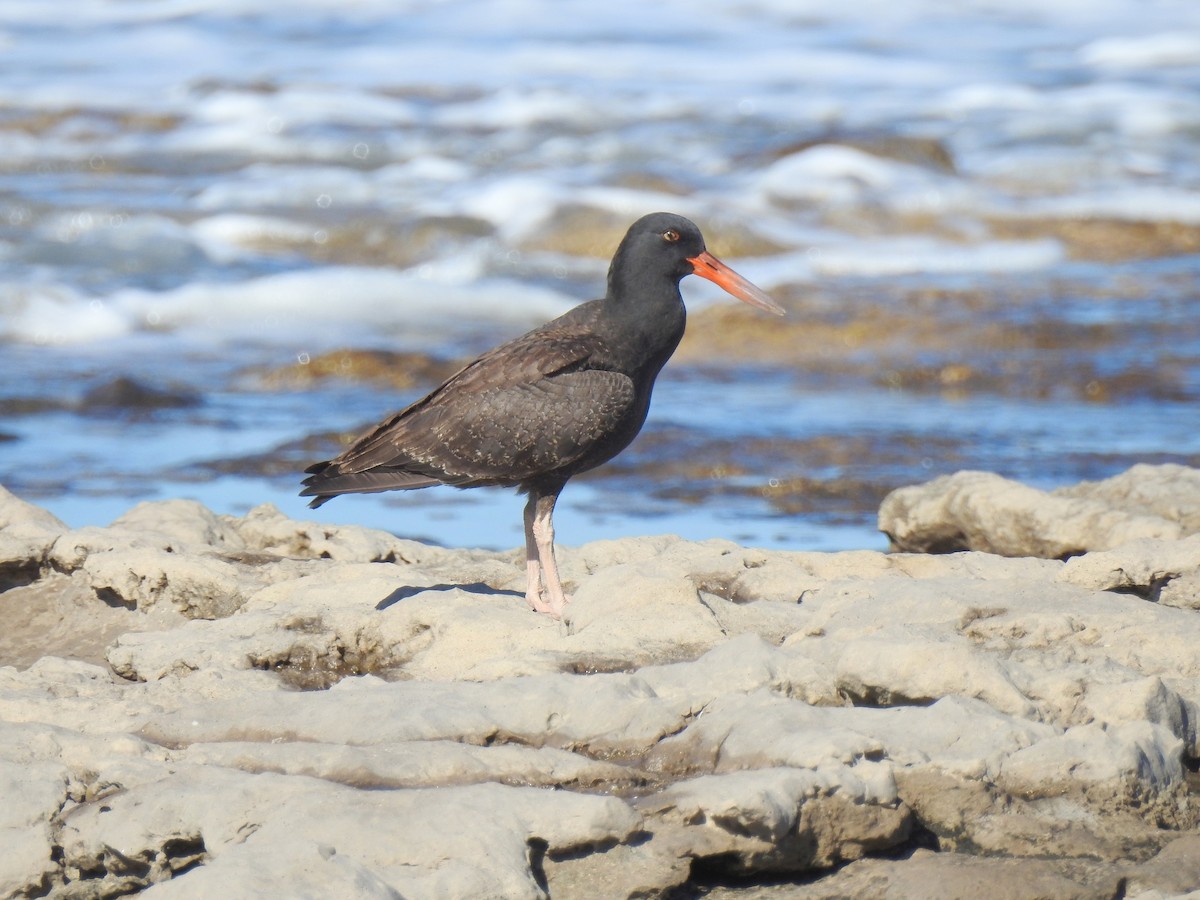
[{"x": 667, "y": 247}]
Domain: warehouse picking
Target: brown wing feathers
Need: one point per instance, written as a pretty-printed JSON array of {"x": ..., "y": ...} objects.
[{"x": 523, "y": 409}]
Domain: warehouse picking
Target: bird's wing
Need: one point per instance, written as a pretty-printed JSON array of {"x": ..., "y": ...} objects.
[{"x": 528, "y": 406}]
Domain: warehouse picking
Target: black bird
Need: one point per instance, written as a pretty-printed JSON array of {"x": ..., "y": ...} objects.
[{"x": 555, "y": 402}]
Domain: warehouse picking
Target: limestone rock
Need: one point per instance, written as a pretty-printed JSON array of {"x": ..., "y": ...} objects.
[
  {"x": 266, "y": 530},
  {"x": 1166, "y": 572},
  {"x": 939, "y": 876},
  {"x": 185, "y": 524},
  {"x": 983, "y": 511},
  {"x": 27, "y": 533},
  {"x": 781, "y": 819},
  {"x": 1168, "y": 491},
  {"x": 201, "y": 705}
]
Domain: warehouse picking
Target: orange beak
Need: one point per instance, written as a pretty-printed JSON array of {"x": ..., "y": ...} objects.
[{"x": 708, "y": 266}]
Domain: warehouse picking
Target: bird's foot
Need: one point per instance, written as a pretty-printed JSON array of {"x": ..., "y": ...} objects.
[{"x": 548, "y": 606}]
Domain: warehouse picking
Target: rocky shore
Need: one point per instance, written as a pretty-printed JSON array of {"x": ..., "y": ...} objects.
[{"x": 194, "y": 705}]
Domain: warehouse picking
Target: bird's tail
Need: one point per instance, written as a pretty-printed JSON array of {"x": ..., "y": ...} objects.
[{"x": 326, "y": 481}]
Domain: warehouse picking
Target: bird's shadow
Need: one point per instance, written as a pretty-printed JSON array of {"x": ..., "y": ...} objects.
[{"x": 403, "y": 593}]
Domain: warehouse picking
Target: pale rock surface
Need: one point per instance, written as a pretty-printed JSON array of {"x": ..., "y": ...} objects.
[
  {"x": 1167, "y": 491},
  {"x": 950, "y": 876},
  {"x": 273, "y": 835},
  {"x": 27, "y": 533},
  {"x": 944, "y": 876},
  {"x": 983, "y": 511},
  {"x": 196, "y": 705},
  {"x": 787, "y": 819},
  {"x": 1166, "y": 572}
]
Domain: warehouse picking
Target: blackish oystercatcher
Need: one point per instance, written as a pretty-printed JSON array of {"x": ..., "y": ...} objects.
[{"x": 555, "y": 402}]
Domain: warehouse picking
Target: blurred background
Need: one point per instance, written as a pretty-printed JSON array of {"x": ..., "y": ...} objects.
[{"x": 233, "y": 233}]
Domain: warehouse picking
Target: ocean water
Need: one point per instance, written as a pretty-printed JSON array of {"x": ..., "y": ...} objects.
[{"x": 989, "y": 214}]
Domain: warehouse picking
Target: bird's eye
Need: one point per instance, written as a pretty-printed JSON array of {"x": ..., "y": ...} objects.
[{"x": 672, "y": 235}]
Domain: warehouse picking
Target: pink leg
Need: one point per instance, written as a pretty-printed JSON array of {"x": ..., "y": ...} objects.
[
  {"x": 543, "y": 534},
  {"x": 539, "y": 556},
  {"x": 533, "y": 565}
]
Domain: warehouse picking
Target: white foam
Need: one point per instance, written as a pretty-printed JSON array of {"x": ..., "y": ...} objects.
[
  {"x": 305, "y": 187},
  {"x": 424, "y": 168},
  {"x": 828, "y": 168},
  {"x": 303, "y": 105},
  {"x": 231, "y": 236},
  {"x": 1151, "y": 203},
  {"x": 318, "y": 301},
  {"x": 517, "y": 206},
  {"x": 836, "y": 175},
  {"x": 57, "y": 314},
  {"x": 1144, "y": 51},
  {"x": 19, "y": 147},
  {"x": 419, "y": 184},
  {"x": 509, "y": 108},
  {"x": 912, "y": 255},
  {"x": 831, "y": 256},
  {"x": 146, "y": 243},
  {"x": 258, "y": 121},
  {"x": 978, "y": 96}
]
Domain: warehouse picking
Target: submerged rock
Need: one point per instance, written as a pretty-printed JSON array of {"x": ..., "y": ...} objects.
[
  {"x": 393, "y": 368},
  {"x": 214, "y": 704},
  {"x": 130, "y": 395}
]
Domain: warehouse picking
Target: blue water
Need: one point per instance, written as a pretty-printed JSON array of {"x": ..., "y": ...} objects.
[{"x": 193, "y": 191}]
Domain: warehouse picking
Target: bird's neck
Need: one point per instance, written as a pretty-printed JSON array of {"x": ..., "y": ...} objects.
[{"x": 648, "y": 322}]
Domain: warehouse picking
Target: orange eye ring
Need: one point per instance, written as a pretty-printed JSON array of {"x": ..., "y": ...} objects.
[{"x": 671, "y": 235}]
